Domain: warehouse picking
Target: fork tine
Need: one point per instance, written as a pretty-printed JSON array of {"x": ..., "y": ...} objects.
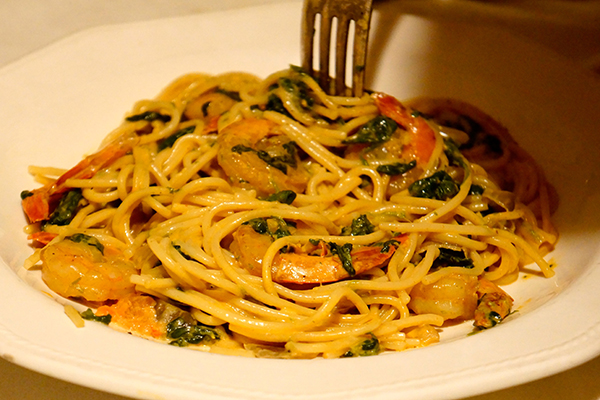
[
  {"x": 307, "y": 36},
  {"x": 324, "y": 50},
  {"x": 361, "y": 40},
  {"x": 343, "y": 28},
  {"x": 344, "y": 11}
]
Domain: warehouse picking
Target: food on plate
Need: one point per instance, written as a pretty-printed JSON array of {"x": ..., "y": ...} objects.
[{"x": 266, "y": 218}]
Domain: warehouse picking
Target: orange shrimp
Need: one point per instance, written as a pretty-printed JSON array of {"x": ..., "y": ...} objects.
[
  {"x": 422, "y": 137},
  {"x": 325, "y": 268},
  {"x": 42, "y": 237},
  {"x": 297, "y": 266},
  {"x": 493, "y": 306},
  {"x": 136, "y": 314},
  {"x": 254, "y": 155},
  {"x": 83, "y": 270},
  {"x": 40, "y": 202},
  {"x": 460, "y": 296}
]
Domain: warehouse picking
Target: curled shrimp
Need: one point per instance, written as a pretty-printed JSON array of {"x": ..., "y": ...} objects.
[
  {"x": 312, "y": 263},
  {"x": 403, "y": 151},
  {"x": 301, "y": 268},
  {"x": 39, "y": 203},
  {"x": 254, "y": 155},
  {"x": 460, "y": 296},
  {"x": 79, "y": 266},
  {"x": 421, "y": 136},
  {"x": 493, "y": 306},
  {"x": 208, "y": 106}
]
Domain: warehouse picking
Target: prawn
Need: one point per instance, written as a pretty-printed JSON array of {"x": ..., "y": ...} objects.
[
  {"x": 422, "y": 137},
  {"x": 404, "y": 153},
  {"x": 208, "y": 106},
  {"x": 312, "y": 263},
  {"x": 79, "y": 266},
  {"x": 460, "y": 297},
  {"x": 39, "y": 203},
  {"x": 493, "y": 306},
  {"x": 254, "y": 155},
  {"x": 300, "y": 268}
]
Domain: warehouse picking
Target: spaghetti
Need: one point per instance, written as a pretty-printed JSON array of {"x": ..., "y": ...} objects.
[{"x": 267, "y": 218}]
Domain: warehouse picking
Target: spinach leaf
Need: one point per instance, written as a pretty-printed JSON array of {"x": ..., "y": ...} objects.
[
  {"x": 360, "y": 226},
  {"x": 185, "y": 332},
  {"x": 454, "y": 155},
  {"x": 89, "y": 240},
  {"x": 452, "y": 258},
  {"x": 25, "y": 194},
  {"x": 229, "y": 93},
  {"x": 282, "y": 228},
  {"x": 90, "y": 316},
  {"x": 299, "y": 90},
  {"x": 376, "y": 131},
  {"x": 65, "y": 211},
  {"x": 385, "y": 246},
  {"x": 240, "y": 148},
  {"x": 261, "y": 225},
  {"x": 417, "y": 113},
  {"x": 170, "y": 140},
  {"x": 476, "y": 190},
  {"x": 396, "y": 168},
  {"x": 477, "y": 134},
  {"x": 438, "y": 186},
  {"x": 274, "y": 103},
  {"x": 180, "y": 251},
  {"x": 284, "y": 196},
  {"x": 149, "y": 116},
  {"x": 343, "y": 252},
  {"x": 368, "y": 347},
  {"x": 281, "y": 162}
]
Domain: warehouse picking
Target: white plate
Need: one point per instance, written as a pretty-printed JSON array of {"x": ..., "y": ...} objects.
[{"x": 60, "y": 102}]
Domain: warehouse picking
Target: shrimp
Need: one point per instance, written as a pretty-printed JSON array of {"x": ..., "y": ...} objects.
[
  {"x": 312, "y": 263},
  {"x": 136, "y": 314},
  {"x": 422, "y": 137},
  {"x": 39, "y": 203},
  {"x": 254, "y": 155},
  {"x": 79, "y": 266},
  {"x": 452, "y": 297},
  {"x": 209, "y": 106},
  {"x": 461, "y": 297},
  {"x": 494, "y": 305},
  {"x": 402, "y": 154},
  {"x": 300, "y": 268}
]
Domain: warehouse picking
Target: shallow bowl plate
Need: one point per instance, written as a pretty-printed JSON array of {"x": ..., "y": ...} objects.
[{"x": 58, "y": 104}]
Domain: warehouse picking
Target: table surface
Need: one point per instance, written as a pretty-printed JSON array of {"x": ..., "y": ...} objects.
[{"x": 570, "y": 28}]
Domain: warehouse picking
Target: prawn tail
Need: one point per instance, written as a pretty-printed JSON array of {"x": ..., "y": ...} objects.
[
  {"x": 36, "y": 204},
  {"x": 89, "y": 166},
  {"x": 423, "y": 137},
  {"x": 42, "y": 237},
  {"x": 493, "y": 306}
]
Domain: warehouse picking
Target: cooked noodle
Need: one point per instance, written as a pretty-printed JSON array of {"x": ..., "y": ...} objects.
[{"x": 198, "y": 222}]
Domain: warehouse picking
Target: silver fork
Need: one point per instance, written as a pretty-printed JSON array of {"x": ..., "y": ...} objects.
[{"x": 343, "y": 12}]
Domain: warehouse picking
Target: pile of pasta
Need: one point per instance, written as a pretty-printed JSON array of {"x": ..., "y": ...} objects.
[{"x": 264, "y": 217}]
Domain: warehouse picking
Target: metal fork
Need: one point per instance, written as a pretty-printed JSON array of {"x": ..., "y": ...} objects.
[{"x": 343, "y": 12}]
